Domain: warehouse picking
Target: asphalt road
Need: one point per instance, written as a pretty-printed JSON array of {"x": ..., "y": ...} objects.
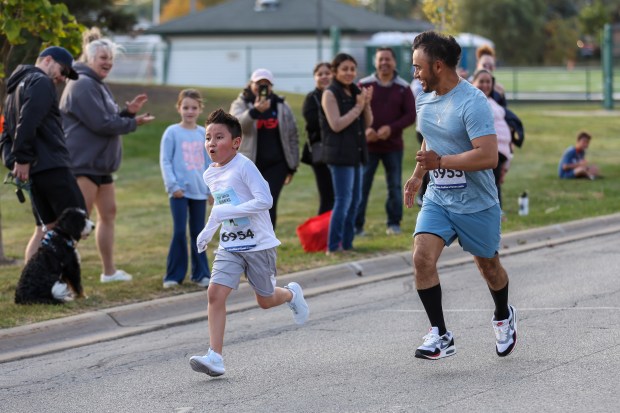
[{"x": 356, "y": 352}]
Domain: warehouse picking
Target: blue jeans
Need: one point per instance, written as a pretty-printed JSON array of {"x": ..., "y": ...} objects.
[
  {"x": 347, "y": 181},
  {"x": 392, "y": 163},
  {"x": 177, "y": 264}
]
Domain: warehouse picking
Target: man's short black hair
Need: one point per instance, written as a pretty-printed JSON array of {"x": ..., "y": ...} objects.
[
  {"x": 438, "y": 46},
  {"x": 220, "y": 117},
  {"x": 386, "y": 49}
]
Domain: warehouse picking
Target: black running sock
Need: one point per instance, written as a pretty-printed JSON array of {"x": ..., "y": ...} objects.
[
  {"x": 431, "y": 299},
  {"x": 500, "y": 298}
]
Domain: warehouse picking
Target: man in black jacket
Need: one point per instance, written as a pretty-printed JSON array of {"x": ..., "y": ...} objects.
[{"x": 39, "y": 153}]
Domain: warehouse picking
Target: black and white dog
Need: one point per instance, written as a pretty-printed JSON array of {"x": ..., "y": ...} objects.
[{"x": 52, "y": 275}]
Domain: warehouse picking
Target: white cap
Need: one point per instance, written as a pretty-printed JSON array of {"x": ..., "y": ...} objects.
[{"x": 260, "y": 74}]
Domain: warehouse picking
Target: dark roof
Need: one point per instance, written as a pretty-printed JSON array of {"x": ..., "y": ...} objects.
[{"x": 290, "y": 16}]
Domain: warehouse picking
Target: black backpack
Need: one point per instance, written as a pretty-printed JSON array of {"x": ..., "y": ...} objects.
[{"x": 11, "y": 117}]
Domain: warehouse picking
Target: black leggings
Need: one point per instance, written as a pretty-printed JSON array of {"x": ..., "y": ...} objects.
[
  {"x": 497, "y": 172},
  {"x": 275, "y": 175}
]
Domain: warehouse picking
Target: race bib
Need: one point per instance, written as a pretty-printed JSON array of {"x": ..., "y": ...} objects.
[
  {"x": 236, "y": 234},
  {"x": 449, "y": 179}
]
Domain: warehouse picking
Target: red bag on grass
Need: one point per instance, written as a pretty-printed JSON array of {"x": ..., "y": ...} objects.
[{"x": 313, "y": 233}]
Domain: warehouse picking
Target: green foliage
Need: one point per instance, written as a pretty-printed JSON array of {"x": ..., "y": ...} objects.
[
  {"x": 593, "y": 17},
  {"x": 28, "y": 26},
  {"x": 442, "y": 13},
  {"x": 516, "y": 27},
  {"x": 561, "y": 40},
  {"x": 100, "y": 13}
]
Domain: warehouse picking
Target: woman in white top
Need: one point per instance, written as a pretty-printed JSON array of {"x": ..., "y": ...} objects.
[{"x": 483, "y": 80}]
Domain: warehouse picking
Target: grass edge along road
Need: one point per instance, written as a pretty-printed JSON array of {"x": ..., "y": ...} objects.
[{"x": 143, "y": 226}]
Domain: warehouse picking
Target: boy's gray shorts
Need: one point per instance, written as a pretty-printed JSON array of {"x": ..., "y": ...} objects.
[{"x": 259, "y": 268}]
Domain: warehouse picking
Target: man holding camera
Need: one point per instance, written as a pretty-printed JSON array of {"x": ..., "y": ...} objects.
[{"x": 38, "y": 154}]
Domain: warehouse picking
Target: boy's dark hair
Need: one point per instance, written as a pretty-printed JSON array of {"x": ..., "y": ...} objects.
[
  {"x": 438, "y": 46},
  {"x": 222, "y": 118},
  {"x": 583, "y": 135}
]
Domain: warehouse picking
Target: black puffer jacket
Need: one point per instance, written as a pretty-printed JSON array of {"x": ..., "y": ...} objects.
[
  {"x": 32, "y": 102},
  {"x": 347, "y": 147}
]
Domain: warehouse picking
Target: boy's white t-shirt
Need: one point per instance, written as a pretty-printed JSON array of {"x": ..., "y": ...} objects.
[{"x": 242, "y": 203}]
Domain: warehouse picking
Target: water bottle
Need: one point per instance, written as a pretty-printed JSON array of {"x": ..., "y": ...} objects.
[{"x": 524, "y": 204}]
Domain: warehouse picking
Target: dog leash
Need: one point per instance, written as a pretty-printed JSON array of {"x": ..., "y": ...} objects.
[{"x": 19, "y": 191}]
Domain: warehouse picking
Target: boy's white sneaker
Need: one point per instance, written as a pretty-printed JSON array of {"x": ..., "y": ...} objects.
[
  {"x": 298, "y": 304},
  {"x": 211, "y": 364},
  {"x": 119, "y": 275}
]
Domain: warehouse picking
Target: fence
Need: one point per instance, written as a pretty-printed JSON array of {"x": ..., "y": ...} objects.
[{"x": 148, "y": 63}]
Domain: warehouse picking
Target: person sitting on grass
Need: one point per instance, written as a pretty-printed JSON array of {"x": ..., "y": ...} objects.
[{"x": 573, "y": 163}]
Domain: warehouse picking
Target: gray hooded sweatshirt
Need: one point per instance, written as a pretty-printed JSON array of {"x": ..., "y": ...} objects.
[{"x": 93, "y": 123}]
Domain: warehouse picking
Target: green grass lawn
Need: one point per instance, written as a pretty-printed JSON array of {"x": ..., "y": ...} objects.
[{"x": 144, "y": 223}]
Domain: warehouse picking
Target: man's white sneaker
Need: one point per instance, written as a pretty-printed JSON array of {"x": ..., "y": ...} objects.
[
  {"x": 211, "y": 364},
  {"x": 506, "y": 333},
  {"x": 436, "y": 346},
  {"x": 119, "y": 275},
  {"x": 298, "y": 304}
]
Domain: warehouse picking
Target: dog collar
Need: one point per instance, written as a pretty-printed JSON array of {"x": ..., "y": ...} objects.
[{"x": 50, "y": 234}]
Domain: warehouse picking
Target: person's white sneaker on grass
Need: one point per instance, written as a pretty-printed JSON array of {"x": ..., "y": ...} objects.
[
  {"x": 298, "y": 304},
  {"x": 211, "y": 364},
  {"x": 170, "y": 284},
  {"x": 119, "y": 275}
]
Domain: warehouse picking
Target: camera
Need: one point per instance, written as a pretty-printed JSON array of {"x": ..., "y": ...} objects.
[{"x": 263, "y": 90}]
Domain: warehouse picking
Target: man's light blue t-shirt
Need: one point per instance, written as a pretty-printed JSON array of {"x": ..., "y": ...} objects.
[{"x": 449, "y": 123}]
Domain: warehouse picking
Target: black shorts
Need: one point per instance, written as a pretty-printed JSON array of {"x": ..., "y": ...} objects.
[
  {"x": 98, "y": 179},
  {"x": 53, "y": 191}
]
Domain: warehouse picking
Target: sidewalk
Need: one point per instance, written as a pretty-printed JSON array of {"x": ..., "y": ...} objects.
[{"x": 112, "y": 323}]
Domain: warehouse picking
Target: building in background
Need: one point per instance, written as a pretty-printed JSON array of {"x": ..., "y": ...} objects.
[{"x": 221, "y": 45}]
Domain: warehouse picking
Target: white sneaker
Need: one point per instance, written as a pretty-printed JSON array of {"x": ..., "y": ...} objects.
[
  {"x": 170, "y": 284},
  {"x": 211, "y": 364},
  {"x": 203, "y": 283},
  {"x": 298, "y": 304},
  {"x": 119, "y": 275},
  {"x": 436, "y": 346},
  {"x": 505, "y": 333}
]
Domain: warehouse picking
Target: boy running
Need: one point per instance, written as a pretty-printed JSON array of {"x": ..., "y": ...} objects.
[{"x": 247, "y": 240}]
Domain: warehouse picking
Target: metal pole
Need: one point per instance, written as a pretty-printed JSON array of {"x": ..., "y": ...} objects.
[
  {"x": 319, "y": 30},
  {"x": 608, "y": 72},
  {"x": 156, "y": 6}
]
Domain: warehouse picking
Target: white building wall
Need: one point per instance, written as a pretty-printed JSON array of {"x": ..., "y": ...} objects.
[{"x": 228, "y": 62}]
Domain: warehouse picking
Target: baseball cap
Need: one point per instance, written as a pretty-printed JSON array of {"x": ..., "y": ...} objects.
[
  {"x": 260, "y": 74},
  {"x": 64, "y": 58}
]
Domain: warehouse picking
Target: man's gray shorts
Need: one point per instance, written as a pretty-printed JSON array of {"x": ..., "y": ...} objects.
[{"x": 259, "y": 268}]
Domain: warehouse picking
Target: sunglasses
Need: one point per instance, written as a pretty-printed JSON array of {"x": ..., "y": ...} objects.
[{"x": 65, "y": 71}]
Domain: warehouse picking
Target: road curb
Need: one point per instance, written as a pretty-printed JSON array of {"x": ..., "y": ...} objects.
[{"x": 132, "y": 319}]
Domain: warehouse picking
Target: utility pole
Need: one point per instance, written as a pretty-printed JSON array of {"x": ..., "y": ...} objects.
[{"x": 319, "y": 30}]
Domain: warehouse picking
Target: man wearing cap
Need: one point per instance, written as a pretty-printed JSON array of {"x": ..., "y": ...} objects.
[
  {"x": 39, "y": 150},
  {"x": 269, "y": 132}
]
